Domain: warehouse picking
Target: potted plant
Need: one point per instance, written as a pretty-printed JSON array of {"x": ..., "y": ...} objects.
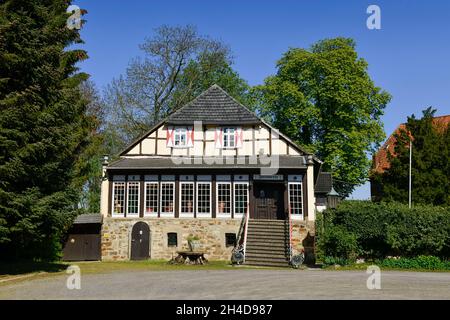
[{"x": 194, "y": 243}]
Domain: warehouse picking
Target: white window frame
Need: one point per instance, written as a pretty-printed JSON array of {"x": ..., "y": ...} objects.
[
  {"x": 155, "y": 213},
  {"x": 186, "y": 214},
  {"x": 161, "y": 212},
  {"x": 223, "y": 215},
  {"x": 296, "y": 216},
  {"x": 239, "y": 215},
  {"x": 129, "y": 183},
  {"x": 113, "y": 213},
  {"x": 203, "y": 214},
  {"x": 180, "y": 132},
  {"x": 229, "y": 135}
]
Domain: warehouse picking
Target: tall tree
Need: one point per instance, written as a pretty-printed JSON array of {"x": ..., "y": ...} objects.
[
  {"x": 324, "y": 99},
  {"x": 430, "y": 169},
  {"x": 178, "y": 63},
  {"x": 44, "y": 127}
]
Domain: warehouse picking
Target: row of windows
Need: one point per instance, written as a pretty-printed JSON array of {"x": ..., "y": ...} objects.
[
  {"x": 228, "y": 138},
  {"x": 159, "y": 197},
  {"x": 172, "y": 239}
]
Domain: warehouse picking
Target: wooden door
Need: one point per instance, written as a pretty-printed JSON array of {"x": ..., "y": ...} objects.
[
  {"x": 140, "y": 241},
  {"x": 80, "y": 247},
  {"x": 268, "y": 202}
]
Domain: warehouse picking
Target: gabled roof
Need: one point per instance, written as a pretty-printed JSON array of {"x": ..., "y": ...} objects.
[
  {"x": 380, "y": 158},
  {"x": 324, "y": 183},
  {"x": 214, "y": 106}
]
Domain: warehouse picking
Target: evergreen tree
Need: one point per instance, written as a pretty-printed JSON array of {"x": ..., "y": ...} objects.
[
  {"x": 430, "y": 168},
  {"x": 44, "y": 127}
]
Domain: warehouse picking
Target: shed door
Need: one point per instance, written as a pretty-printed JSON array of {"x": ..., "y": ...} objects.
[
  {"x": 140, "y": 241},
  {"x": 81, "y": 247}
]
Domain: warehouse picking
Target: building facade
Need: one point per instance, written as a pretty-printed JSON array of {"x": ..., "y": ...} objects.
[{"x": 215, "y": 171}]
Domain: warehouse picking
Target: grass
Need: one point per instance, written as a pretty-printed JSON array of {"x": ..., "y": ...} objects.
[{"x": 363, "y": 266}]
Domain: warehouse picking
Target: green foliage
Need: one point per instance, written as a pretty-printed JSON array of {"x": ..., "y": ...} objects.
[
  {"x": 44, "y": 127},
  {"x": 340, "y": 244},
  {"x": 383, "y": 229},
  {"x": 324, "y": 99},
  {"x": 420, "y": 262},
  {"x": 430, "y": 163}
]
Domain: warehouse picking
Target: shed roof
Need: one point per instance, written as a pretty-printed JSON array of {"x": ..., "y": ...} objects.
[{"x": 88, "y": 218}]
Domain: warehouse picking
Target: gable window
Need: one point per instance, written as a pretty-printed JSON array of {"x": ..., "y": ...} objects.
[
  {"x": 172, "y": 239},
  {"x": 118, "y": 197},
  {"x": 133, "y": 199},
  {"x": 240, "y": 198},
  {"x": 180, "y": 137},
  {"x": 167, "y": 198},
  {"x": 229, "y": 137},
  {"x": 187, "y": 198},
  {"x": 295, "y": 199},
  {"x": 203, "y": 198},
  {"x": 223, "y": 199},
  {"x": 151, "y": 198}
]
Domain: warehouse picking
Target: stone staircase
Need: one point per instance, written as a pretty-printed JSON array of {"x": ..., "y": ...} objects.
[{"x": 267, "y": 243}]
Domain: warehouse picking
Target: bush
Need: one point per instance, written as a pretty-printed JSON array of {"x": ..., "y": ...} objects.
[
  {"x": 383, "y": 229},
  {"x": 420, "y": 262},
  {"x": 338, "y": 243}
]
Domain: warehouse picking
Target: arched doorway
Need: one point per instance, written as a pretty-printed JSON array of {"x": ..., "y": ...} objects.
[{"x": 140, "y": 241}]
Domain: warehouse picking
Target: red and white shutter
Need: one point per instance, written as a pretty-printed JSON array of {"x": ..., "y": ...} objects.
[
  {"x": 218, "y": 137},
  {"x": 239, "y": 138},
  {"x": 170, "y": 136},
  {"x": 190, "y": 136}
]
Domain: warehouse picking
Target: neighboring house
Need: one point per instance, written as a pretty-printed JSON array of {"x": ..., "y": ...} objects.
[
  {"x": 380, "y": 161},
  {"x": 199, "y": 172}
]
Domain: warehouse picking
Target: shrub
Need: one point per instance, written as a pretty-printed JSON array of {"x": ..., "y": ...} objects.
[
  {"x": 383, "y": 229},
  {"x": 338, "y": 243},
  {"x": 420, "y": 262}
]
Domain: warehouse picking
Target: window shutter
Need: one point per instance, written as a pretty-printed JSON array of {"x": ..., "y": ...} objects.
[
  {"x": 169, "y": 137},
  {"x": 218, "y": 137},
  {"x": 190, "y": 136},
  {"x": 239, "y": 138}
]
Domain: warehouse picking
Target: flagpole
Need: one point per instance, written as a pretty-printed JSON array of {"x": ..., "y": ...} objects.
[{"x": 410, "y": 164}]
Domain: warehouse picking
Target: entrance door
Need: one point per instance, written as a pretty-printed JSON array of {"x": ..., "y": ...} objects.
[
  {"x": 269, "y": 202},
  {"x": 81, "y": 247},
  {"x": 140, "y": 241}
]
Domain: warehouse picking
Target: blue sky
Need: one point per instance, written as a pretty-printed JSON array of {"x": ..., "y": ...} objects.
[{"x": 409, "y": 57}]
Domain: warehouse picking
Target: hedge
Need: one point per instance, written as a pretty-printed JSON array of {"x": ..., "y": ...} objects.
[{"x": 378, "y": 230}]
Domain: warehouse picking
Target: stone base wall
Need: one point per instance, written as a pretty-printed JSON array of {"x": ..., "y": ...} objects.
[{"x": 116, "y": 236}]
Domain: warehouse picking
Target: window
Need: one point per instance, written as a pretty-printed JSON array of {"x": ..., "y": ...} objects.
[
  {"x": 223, "y": 199},
  {"x": 167, "y": 198},
  {"x": 133, "y": 199},
  {"x": 229, "y": 137},
  {"x": 180, "y": 137},
  {"x": 151, "y": 198},
  {"x": 187, "y": 198},
  {"x": 230, "y": 239},
  {"x": 295, "y": 198},
  {"x": 240, "y": 198},
  {"x": 172, "y": 239},
  {"x": 118, "y": 197},
  {"x": 203, "y": 198}
]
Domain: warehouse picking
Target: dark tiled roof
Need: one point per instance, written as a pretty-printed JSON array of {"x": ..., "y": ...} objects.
[
  {"x": 88, "y": 218},
  {"x": 324, "y": 183},
  {"x": 214, "y": 106},
  {"x": 207, "y": 162}
]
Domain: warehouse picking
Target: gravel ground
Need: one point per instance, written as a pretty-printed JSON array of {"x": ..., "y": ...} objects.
[{"x": 234, "y": 284}]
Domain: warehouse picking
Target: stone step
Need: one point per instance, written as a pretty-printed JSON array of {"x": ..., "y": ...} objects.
[
  {"x": 267, "y": 264},
  {"x": 266, "y": 256},
  {"x": 265, "y": 245},
  {"x": 264, "y": 221},
  {"x": 267, "y": 229},
  {"x": 267, "y": 237}
]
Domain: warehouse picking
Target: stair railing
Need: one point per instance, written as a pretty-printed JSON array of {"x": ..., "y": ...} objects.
[
  {"x": 245, "y": 231},
  {"x": 241, "y": 241},
  {"x": 290, "y": 233}
]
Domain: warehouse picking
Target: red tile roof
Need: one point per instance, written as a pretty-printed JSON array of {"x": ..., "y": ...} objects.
[{"x": 380, "y": 159}]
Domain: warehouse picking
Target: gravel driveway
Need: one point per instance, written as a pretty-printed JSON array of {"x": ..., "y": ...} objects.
[{"x": 235, "y": 284}]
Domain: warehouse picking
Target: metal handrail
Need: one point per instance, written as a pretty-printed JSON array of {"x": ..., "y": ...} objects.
[
  {"x": 245, "y": 231},
  {"x": 290, "y": 233}
]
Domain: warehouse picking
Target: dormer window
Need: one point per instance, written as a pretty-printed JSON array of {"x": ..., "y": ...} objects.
[
  {"x": 229, "y": 138},
  {"x": 180, "y": 138}
]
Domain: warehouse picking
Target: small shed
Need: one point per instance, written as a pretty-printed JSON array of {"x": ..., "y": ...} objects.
[
  {"x": 326, "y": 196},
  {"x": 83, "y": 240}
]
